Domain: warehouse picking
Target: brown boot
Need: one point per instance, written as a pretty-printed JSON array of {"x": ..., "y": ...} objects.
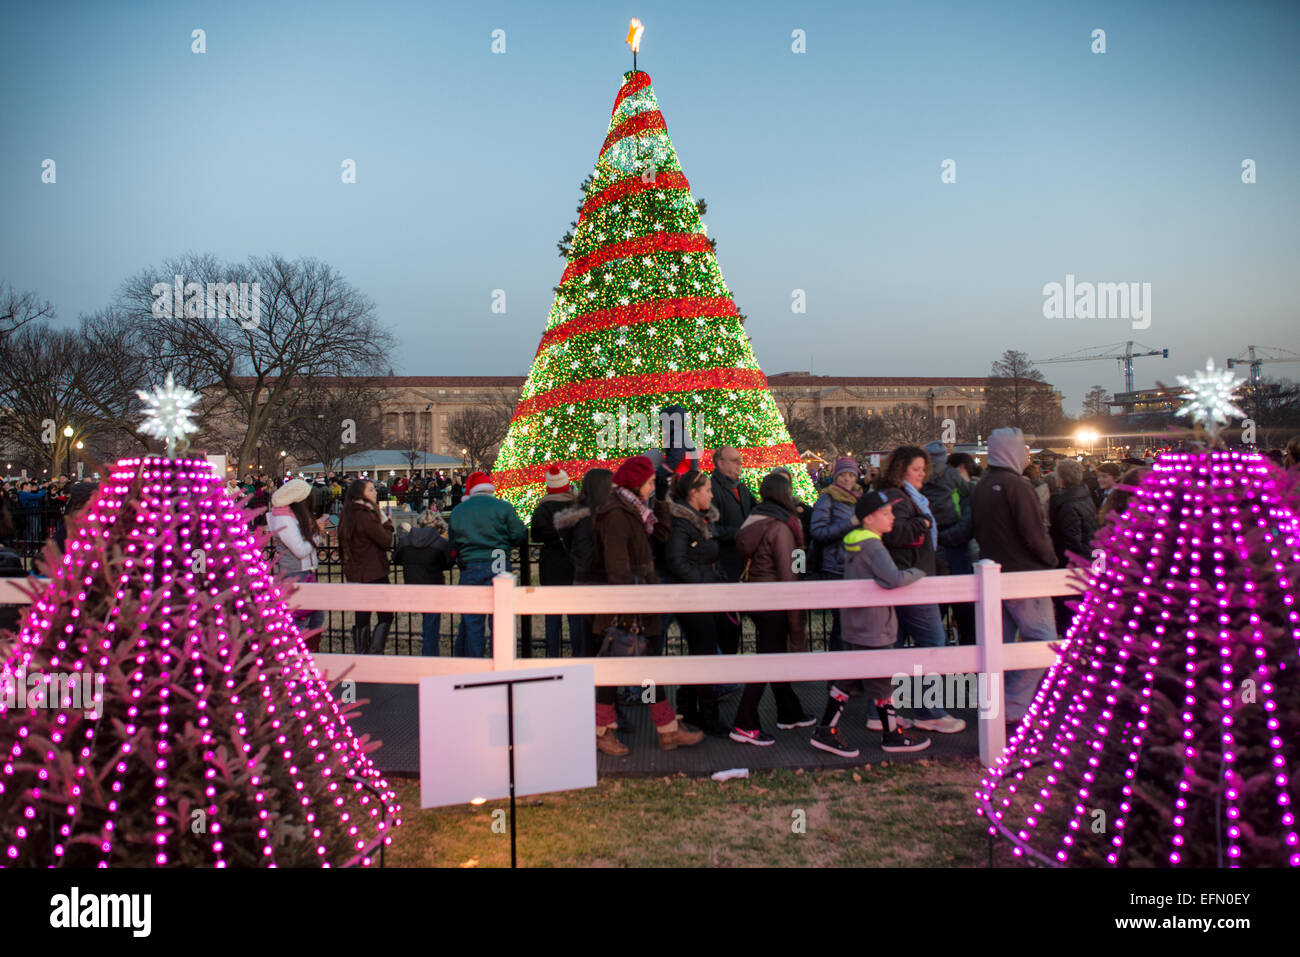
[
  {"x": 608, "y": 743},
  {"x": 678, "y": 735}
]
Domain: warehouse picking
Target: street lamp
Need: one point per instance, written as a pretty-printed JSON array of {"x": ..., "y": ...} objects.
[{"x": 67, "y": 434}]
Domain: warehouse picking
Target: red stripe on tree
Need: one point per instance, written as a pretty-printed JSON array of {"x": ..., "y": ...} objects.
[
  {"x": 635, "y": 84},
  {"x": 621, "y": 387},
  {"x": 662, "y": 242},
  {"x": 650, "y": 120},
  {"x": 652, "y": 311},
  {"x": 630, "y": 187}
]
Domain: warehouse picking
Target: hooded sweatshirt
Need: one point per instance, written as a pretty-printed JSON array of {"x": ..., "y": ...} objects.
[
  {"x": 869, "y": 559},
  {"x": 1005, "y": 513}
]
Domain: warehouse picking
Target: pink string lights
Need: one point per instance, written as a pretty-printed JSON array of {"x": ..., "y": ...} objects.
[
  {"x": 217, "y": 742},
  {"x": 1168, "y": 729}
]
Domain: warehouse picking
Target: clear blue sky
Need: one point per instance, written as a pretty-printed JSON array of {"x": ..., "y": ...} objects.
[{"x": 822, "y": 170}]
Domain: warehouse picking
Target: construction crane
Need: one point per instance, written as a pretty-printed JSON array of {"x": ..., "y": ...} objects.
[
  {"x": 1255, "y": 360},
  {"x": 1124, "y": 359}
]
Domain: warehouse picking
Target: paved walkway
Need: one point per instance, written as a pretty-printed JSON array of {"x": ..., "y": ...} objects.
[{"x": 392, "y": 717}]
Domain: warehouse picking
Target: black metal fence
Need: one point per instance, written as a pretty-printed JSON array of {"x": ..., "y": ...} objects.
[{"x": 33, "y": 527}]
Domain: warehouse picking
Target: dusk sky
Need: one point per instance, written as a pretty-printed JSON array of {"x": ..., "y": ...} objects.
[{"x": 821, "y": 169}]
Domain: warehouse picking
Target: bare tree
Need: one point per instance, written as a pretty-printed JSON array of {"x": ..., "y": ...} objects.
[
  {"x": 327, "y": 420},
  {"x": 479, "y": 432},
  {"x": 1017, "y": 395},
  {"x": 19, "y": 308},
  {"x": 42, "y": 392},
  {"x": 908, "y": 425},
  {"x": 1096, "y": 404},
  {"x": 308, "y": 323}
]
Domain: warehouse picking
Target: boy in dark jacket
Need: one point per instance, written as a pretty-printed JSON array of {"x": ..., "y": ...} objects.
[{"x": 877, "y": 627}]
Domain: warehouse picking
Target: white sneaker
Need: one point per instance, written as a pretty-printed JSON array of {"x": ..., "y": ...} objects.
[
  {"x": 945, "y": 725},
  {"x": 873, "y": 724}
]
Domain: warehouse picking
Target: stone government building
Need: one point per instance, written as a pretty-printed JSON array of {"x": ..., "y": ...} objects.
[{"x": 416, "y": 410}]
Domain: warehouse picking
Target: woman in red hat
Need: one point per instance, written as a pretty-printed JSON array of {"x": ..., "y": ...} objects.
[{"x": 624, "y": 527}]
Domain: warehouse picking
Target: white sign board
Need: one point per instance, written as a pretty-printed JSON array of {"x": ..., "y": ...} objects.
[
  {"x": 464, "y": 734},
  {"x": 219, "y": 463}
]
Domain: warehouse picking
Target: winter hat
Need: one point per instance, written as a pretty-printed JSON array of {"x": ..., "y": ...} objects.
[
  {"x": 81, "y": 493},
  {"x": 875, "y": 500},
  {"x": 290, "y": 492},
  {"x": 479, "y": 482},
  {"x": 938, "y": 453},
  {"x": 557, "y": 480},
  {"x": 845, "y": 464},
  {"x": 634, "y": 473}
]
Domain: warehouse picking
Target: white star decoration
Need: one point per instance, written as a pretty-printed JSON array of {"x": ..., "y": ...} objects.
[
  {"x": 168, "y": 411},
  {"x": 1211, "y": 401}
]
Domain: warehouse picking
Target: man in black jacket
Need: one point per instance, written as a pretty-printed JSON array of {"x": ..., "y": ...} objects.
[
  {"x": 1008, "y": 525},
  {"x": 734, "y": 501},
  {"x": 554, "y": 567}
]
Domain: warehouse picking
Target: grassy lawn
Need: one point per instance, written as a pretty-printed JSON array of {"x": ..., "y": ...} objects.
[{"x": 914, "y": 814}]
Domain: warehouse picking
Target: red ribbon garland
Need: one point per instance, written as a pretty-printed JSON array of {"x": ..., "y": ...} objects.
[
  {"x": 661, "y": 242},
  {"x": 630, "y": 187},
  {"x": 635, "y": 83},
  {"x": 651, "y": 311},
  {"x": 648, "y": 383},
  {"x": 649, "y": 120}
]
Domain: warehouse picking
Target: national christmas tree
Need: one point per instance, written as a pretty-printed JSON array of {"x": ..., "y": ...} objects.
[
  {"x": 161, "y": 707},
  {"x": 642, "y": 321},
  {"x": 1168, "y": 731}
]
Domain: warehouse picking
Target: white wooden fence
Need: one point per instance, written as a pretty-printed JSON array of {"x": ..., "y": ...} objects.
[{"x": 504, "y": 601}]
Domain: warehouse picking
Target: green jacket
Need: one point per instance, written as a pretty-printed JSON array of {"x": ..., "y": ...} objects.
[{"x": 483, "y": 523}]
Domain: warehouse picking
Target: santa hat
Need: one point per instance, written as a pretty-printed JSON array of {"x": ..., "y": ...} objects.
[
  {"x": 557, "y": 480},
  {"x": 479, "y": 483}
]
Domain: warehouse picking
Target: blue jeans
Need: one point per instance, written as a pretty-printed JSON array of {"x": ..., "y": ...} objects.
[
  {"x": 471, "y": 640},
  {"x": 1035, "y": 620},
  {"x": 429, "y": 625},
  {"x": 925, "y": 625},
  {"x": 555, "y": 635}
]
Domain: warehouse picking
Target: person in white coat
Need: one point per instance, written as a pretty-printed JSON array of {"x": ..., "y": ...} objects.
[{"x": 296, "y": 536}]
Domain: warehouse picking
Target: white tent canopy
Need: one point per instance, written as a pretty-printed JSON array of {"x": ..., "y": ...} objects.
[{"x": 380, "y": 462}]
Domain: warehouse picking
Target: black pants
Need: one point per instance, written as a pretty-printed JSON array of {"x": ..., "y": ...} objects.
[
  {"x": 963, "y": 615},
  {"x": 701, "y": 633},
  {"x": 362, "y": 619},
  {"x": 728, "y": 633},
  {"x": 773, "y": 629}
]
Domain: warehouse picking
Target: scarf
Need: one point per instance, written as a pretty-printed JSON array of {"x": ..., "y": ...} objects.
[
  {"x": 846, "y": 496},
  {"x": 772, "y": 510},
  {"x": 647, "y": 515},
  {"x": 923, "y": 505}
]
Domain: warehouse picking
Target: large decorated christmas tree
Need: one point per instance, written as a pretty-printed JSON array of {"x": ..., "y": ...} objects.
[
  {"x": 161, "y": 707},
  {"x": 1168, "y": 731},
  {"x": 642, "y": 321}
]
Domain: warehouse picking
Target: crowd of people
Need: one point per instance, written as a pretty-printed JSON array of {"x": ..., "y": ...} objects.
[{"x": 660, "y": 519}]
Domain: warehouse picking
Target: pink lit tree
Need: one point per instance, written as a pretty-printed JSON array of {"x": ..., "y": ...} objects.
[
  {"x": 1168, "y": 731},
  {"x": 162, "y": 707}
]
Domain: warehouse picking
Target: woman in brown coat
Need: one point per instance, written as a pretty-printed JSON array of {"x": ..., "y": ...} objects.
[
  {"x": 365, "y": 537},
  {"x": 768, "y": 541},
  {"x": 624, "y": 527}
]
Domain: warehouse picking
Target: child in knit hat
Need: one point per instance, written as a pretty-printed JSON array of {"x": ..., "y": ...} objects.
[{"x": 874, "y": 627}]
